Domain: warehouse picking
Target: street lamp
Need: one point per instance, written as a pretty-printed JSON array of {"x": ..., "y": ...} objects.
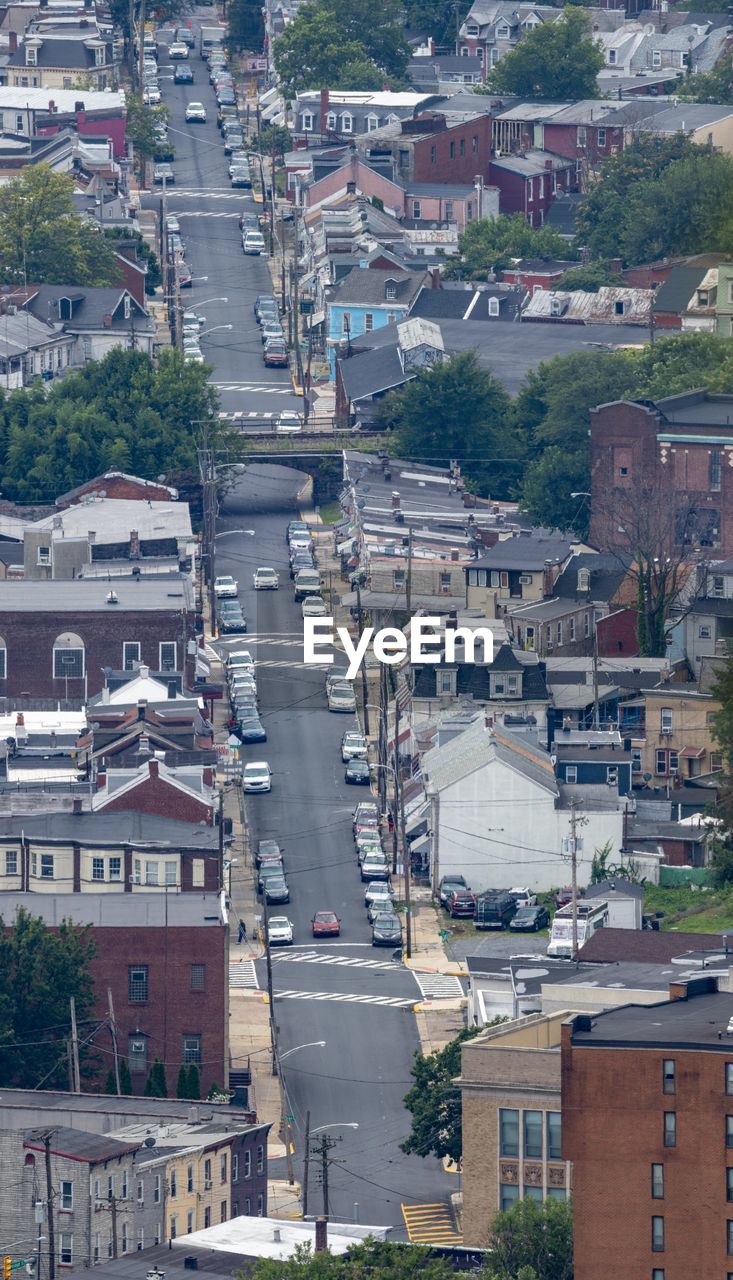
[
  {"x": 312, "y": 1044},
  {"x": 226, "y": 532},
  {"x": 310, "y": 1133},
  {"x": 277, "y": 1060},
  {"x": 206, "y": 332},
  {"x": 207, "y": 301}
]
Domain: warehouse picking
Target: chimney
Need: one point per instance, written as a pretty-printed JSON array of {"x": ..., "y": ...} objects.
[
  {"x": 548, "y": 580},
  {"x": 435, "y": 278},
  {"x": 12, "y": 42},
  {"x": 454, "y": 553},
  {"x": 321, "y": 1245},
  {"x": 396, "y": 502},
  {"x": 107, "y": 322},
  {"x": 76, "y": 804},
  {"x": 142, "y": 704},
  {"x": 134, "y": 544},
  {"x": 153, "y": 769},
  {"x": 324, "y": 109},
  {"x": 21, "y": 733},
  {"x": 548, "y": 164}
]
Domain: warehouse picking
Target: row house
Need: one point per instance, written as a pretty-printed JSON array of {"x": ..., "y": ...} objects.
[
  {"x": 671, "y": 731},
  {"x": 185, "y": 788},
  {"x": 31, "y": 348},
  {"x": 492, "y": 28},
  {"x": 511, "y": 689},
  {"x": 515, "y": 570},
  {"x": 528, "y": 183},
  {"x": 333, "y": 115},
  {"x": 610, "y": 305},
  {"x": 706, "y": 628},
  {"x": 580, "y": 131},
  {"x": 366, "y": 300},
  {"x": 55, "y": 56},
  {"x": 691, "y": 47},
  {"x": 107, "y": 536},
  {"x": 434, "y": 147},
  {"x": 36, "y": 112}
]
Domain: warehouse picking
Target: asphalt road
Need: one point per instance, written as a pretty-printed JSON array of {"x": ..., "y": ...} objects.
[
  {"x": 208, "y": 210},
  {"x": 342, "y": 991}
]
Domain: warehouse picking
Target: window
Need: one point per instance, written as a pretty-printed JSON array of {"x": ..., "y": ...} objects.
[
  {"x": 247, "y": 1207},
  {"x": 716, "y": 761},
  {"x": 433, "y": 154},
  {"x": 189, "y": 1178},
  {"x": 611, "y": 57},
  {"x": 372, "y": 123},
  {"x": 137, "y": 983},
  {"x": 670, "y": 1128},
  {"x": 493, "y": 306},
  {"x": 533, "y": 1193},
  {"x": 530, "y": 191},
  {"x": 47, "y": 866},
  {"x": 140, "y": 1239},
  {"x": 571, "y": 629},
  {"x": 445, "y": 583},
  {"x": 222, "y": 1211},
  {"x": 235, "y": 1208},
  {"x": 115, "y": 868},
  {"x": 151, "y": 873},
  {"x": 111, "y": 1186},
  {"x": 581, "y": 135},
  {"x": 586, "y": 625},
  {"x": 668, "y": 1076},
  {"x": 666, "y": 720},
  {"x": 449, "y": 210},
  {"x": 674, "y": 761},
  {"x": 704, "y": 631},
  {"x": 260, "y": 1206},
  {"x": 656, "y": 59},
  {"x": 369, "y": 321},
  {"x": 474, "y": 143},
  {"x": 509, "y": 1194},
  {"x": 66, "y": 1249},
  {"x": 43, "y": 555},
  {"x": 571, "y": 773},
  {"x": 66, "y": 1197},
  {"x": 601, "y": 137},
  {"x": 189, "y": 1222},
  {"x": 11, "y": 862},
  {"x": 416, "y": 209},
  {"x": 446, "y": 681},
  {"x": 636, "y": 759},
  {"x": 168, "y": 655},
  {"x": 346, "y": 322},
  {"x": 658, "y": 1181},
  {"x": 123, "y": 1237},
  {"x": 97, "y": 1189},
  {"x": 729, "y": 1077},
  {"x": 452, "y": 150},
  {"x": 619, "y": 308},
  {"x": 174, "y": 1227},
  {"x": 97, "y": 1246},
  {"x": 68, "y": 658},
  {"x": 140, "y": 1191},
  {"x": 657, "y": 1273},
  {"x": 331, "y": 120},
  {"x": 247, "y": 1165},
  {"x": 171, "y": 873},
  {"x": 223, "y": 1168},
  {"x": 130, "y": 654},
  {"x": 156, "y": 1233},
  {"x": 502, "y": 31},
  {"x": 174, "y": 1183},
  {"x": 398, "y": 579},
  {"x": 307, "y": 121},
  {"x": 660, "y": 762},
  {"x": 533, "y": 1135},
  {"x": 198, "y": 977},
  {"x": 124, "y": 1184},
  {"x": 729, "y": 1131},
  {"x": 347, "y": 123},
  {"x": 554, "y": 1134},
  {"x": 657, "y": 1235},
  {"x": 718, "y": 586},
  {"x": 137, "y": 1052},
  {"x": 729, "y": 1233},
  {"x": 715, "y": 469},
  {"x": 3, "y": 661},
  {"x": 192, "y": 1050},
  {"x": 97, "y": 868},
  {"x": 235, "y": 1168},
  {"x": 559, "y": 633}
]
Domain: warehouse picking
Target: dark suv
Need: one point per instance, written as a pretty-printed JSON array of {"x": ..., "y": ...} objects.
[
  {"x": 462, "y": 903},
  {"x": 495, "y": 910}
]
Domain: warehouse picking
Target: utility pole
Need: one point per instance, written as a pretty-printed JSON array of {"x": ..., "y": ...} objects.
[
  {"x": 382, "y": 741},
  {"x": 270, "y": 996},
  {"x": 75, "y": 1046},
  {"x": 408, "y": 583},
  {"x": 596, "y": 708},
  {"x": 113, "y": 1214},
  {"x": 221, "y": 839},
  {"x": 406, "y": 873},
  {"x": 326, "y": 1144},
  {"x": 396, "y": 764},
  {"x": 306, "y": 1161},
  {"x": 141, "y": 49},
  {"x": 282, "y": 261},
  {"x": 574, "y": 874},
  {"x": 49, "y": 1208},
  {"x": 364, "y": 690},
  {"x": 435, "y": 825},
  {"x": 296, "y": 317},
  {"x": 113, "y": 1031}
]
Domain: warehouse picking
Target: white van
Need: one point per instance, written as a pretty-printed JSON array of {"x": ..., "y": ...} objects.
[
  {"x": 592, "y": 916},
  {"x": 253, "y": 242},
  {"x": 307, "y": 582}
]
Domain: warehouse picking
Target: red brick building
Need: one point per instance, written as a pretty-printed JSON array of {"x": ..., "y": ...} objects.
[
  {"x": 116, "y": 484},
  {"x": 616, "y": 634},
  {"x": 431, "y": 149},
  {"x": 647, "y": 1121},
  {"x": 528, "y": 183},
  {"x": 679, "y": 448},
  {"x": 57, "y": 636},
  {"x": 154, "y": 787}
]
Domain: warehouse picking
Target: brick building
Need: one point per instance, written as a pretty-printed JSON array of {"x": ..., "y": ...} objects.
[
  {"x": 117, "y": 484},
  {"x": 529, "y": 183},
  {"x": 679, "y": 448},
  {"x": 648, "y": 1125},
  {"x": 434, "y": 148},
  {"x": 154, "y": 787},
  {"x": 164, "y": 957},
  {"x": 58, "y": 636},
  {"x": 510, "y": 1108}
]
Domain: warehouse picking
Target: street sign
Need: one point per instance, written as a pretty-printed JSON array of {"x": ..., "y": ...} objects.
[{"x": 17, "y": 1264}]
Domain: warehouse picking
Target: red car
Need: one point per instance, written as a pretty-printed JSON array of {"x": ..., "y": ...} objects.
[
  {"x": 462, "y": 903},
  {"x": 326, "y": 924},
  {"x": 276, "y": 354}
]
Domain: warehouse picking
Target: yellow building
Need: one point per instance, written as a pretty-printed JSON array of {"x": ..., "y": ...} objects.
[{"x": 671, "y": 732}]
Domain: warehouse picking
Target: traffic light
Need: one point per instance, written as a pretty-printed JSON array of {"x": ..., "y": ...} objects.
[{"x": 7, "y": 1264}]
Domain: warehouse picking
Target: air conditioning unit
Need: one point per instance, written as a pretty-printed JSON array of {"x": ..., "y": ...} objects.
[
  {"x": 525, "y": 579},
  {"x": 665, "y": 732},
  {"x": 98, "y": 1204}
]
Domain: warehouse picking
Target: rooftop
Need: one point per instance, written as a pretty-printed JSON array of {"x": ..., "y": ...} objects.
[
  {"x": 112, "y": 519},
  {"x": 79, "y": 1145},
  {"x": 173, "y": 593},
  {"x": 127, "y": 827},
  {"x": 120, "y": 910},
  {"x": 524, "y": 552},
  {"x": 608, "y": 946},
  {"x": 700, "y": 1021}
]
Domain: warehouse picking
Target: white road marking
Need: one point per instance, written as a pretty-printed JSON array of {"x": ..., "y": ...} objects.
[
  {"x": 342, "y": 997},
  {"x": 242, "y": 973},
  {"x": 441, "y": 986}
]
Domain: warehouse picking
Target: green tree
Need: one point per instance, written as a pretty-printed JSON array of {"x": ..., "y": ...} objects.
[
  {"x": 42, "y": 239},
  {"x": 372, "y": 1260},
  {"x": 110, "y": 1084},
  {"x": 558, "y": 60},
  {"x": 125, "y": 1079},
  {"x": 193, "y": 1082},
  {"x": 156, "y": 1085},
  {"x": 714, "y": 86},
  {"x": 490, "y": 244},
  {"x": 143, "y": 123},
  {"x": 246, "y": 27},
  {"x": 182, "y": 1082},
  {"x": 589, "y": 276},
  {"x": 435, "y": 18},
  {"x": 325, "y": 39},
  {"x": 274, "y": 139},
  {"x": 39, "y": 971},
  {"x": 722, "y": 810},
  {"x": 457, "y": 410},
  {"x": 434, "y": 1101},
  {"x": 534, "y": 1236}
]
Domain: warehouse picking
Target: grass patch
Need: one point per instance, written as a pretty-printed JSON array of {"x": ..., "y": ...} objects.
[
  {"x": 691, "y": 910},
  {"x": 330, "y": 512}
]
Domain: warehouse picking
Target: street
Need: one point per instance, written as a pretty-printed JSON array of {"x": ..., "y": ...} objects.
[
  {"x": 342, "y": 991},
  {"x": 208, "y": 210}
]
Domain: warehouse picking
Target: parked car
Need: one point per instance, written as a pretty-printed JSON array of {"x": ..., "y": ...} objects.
[
  {"x": 462, "y": 903},
  {"x": 257, "y": 776},
  {"x": 251, "y": 729},
  {"x": 184, "y": 35},
  {"x": 381, "y": 905},
  {"x": 341, "y": 696},
  {"x": 353, "y": 746},
  {"x": 314, "y": 607},
  {"x": 448, "y": 885},
  {"x": 365, "y": 811},
  {"x": 239, "y": 660},
  {"x": 530, "y": 919},
  {"x": 183, "y": 75},
  {"x": 301, "y": 560},
  {"x": 232, "y": 621},
  {"x": 269, "y": 871},
  {"x": 378, "y": 891},
  {"x": 523, "y": 897},
  {"x": 232, "y": 142},
  {"x": 275, "y": 355},
  {"x": 152, "y": 96},
  {"x": 386, "y": 931},
  {"x": 241, "y": 177},
  {"x": 196, "y": 113},
  {"x": 266, "y": 580},
  {"x": 563, "y": 896},
  {"x": 267, "y": 848},
  {"x": 225, "y": 587},
  {"x": 357, "y": 772},
  {"x": 495, "y": 910},
  {"x": 289, "y": 423},
  {"x": 260, "y": 300},
  {"x": 301, "y": 540},
  {"x": 280, "y": 931},
  {"x": 269, "y": 329},
  {"x": 326, "y": 924},
  {"x": 375, "y": 867},
  {"x": 185, "y": 278},
  {"x": 307, "y": 583},
  {"x": 253, "y": 242},
  {"x": 164, "y": 173}
]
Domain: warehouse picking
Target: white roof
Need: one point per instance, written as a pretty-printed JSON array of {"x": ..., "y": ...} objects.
[
  {"x": 44, "y": 722},
  {"x": 142, "y": 687},
  {"x": 256, "y": 1237},
  {"x": 380, "y": 98},
  {"x": 23, "y": 99},
  {"x": 113, "y": 519}
]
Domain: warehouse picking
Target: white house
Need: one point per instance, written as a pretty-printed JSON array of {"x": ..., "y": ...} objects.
[{"x": 500, "y": 818}]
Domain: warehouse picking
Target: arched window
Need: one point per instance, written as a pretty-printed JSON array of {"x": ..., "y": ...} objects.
[{"x": 68, "y": 657}]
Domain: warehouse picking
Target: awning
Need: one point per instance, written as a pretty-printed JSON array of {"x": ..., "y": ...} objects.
[
  {"x": 420, "y": 829},
  {"x": 317, "y": 318},
  {"x": 692, "y": 753}
]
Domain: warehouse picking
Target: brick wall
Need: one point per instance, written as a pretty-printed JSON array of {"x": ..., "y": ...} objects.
[
  {"x": 29, "y": 639},
  {"x": 117, "y": 485},
  {"x": 157, "y": 795},
  {"x": 454, "y": 155},
  {"x": 617, "y": 634}
]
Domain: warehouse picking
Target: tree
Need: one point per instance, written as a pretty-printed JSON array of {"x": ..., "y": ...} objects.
[
  {"x": 39, "y": 971},
  {"x": 457, "y": 410},
  {"x": 110, "y": 1084},
  {"x": 714, "y": 86},
  {"x": 372, "y": 1260},
  {"x": 142, "y": 128},
  {"x": 557, "y": 60},
  {"x": 589, "y": 276},
  {"x": 146, "y": 255},
  {"x": 42, "y": 239},
  {"x": 156, "y": 1085},
  {"x": 182, "y": 1082},
  {"x": 434, "y": 1101},
  {"x": 193, "y": 1082},
  {"x": 125, "y": 1079},
  {"x": 246, "y": 27},
  {"x": 325, "y": 39},
  {"x": 535, "y": 1236},
  {"x": 274, "y": 139},
  {"x": 722, "y": 810},
  {"x": 435, "y": 18},
  {"x": 489, "y": 245},
  {"x": 685, "y": 211}
]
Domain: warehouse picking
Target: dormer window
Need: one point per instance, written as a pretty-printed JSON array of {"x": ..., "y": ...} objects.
[
  {"x": 99, "y": 57},
  {"x": 703, "y": 298},
  {"x": 612, "y": 55},
  {"x": 331, "y": 120},
  {"x": 31, "y": 55},
  {"x": 472, "y": 29},
  {"x": 493, "y": 306},
  {"x": 502, "y": 31},
  {"x": 347, "y": 123},
  {"x": 307, "y": 121},
  {"x": 126, "y": 306},
  {"x": 390, "y": 291},
  {"x": 583, "y": 579},
  {"x": 372, "y": 123}
]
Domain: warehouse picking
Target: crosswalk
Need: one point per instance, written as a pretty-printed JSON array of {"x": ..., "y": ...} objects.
[
  {"x": 430, "y": 1224},
  {"x": 345, "y": 997},
  {"x": 241, "y": 415},
  {"x": 203, "y": 213},
  {"x": 439, "y": 986},
  {"x": 271, "y": 390},
  {"x": 242, "y": 973},
  {"x": 349, "y": 962},
  {"x": 204, "y": 193},
  {"x": 293, "y": 666}
]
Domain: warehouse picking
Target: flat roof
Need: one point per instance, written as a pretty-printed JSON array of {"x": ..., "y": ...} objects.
[
  {"x": 699, "y": 1022},
  {"x": 171, "y": 592},
  {"x": 113, "y": 519},
  {"x": 119, "y": 910},
  {"x": 144, "y": 830}
]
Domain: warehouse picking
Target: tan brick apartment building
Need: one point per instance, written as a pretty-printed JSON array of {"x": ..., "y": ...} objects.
[{"x": 647, "y": 1106}]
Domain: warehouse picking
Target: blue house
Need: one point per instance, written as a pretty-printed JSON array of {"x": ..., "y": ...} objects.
[
  {"x": 369, "y": 298},
  {"x": 593, "y": 764}
]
